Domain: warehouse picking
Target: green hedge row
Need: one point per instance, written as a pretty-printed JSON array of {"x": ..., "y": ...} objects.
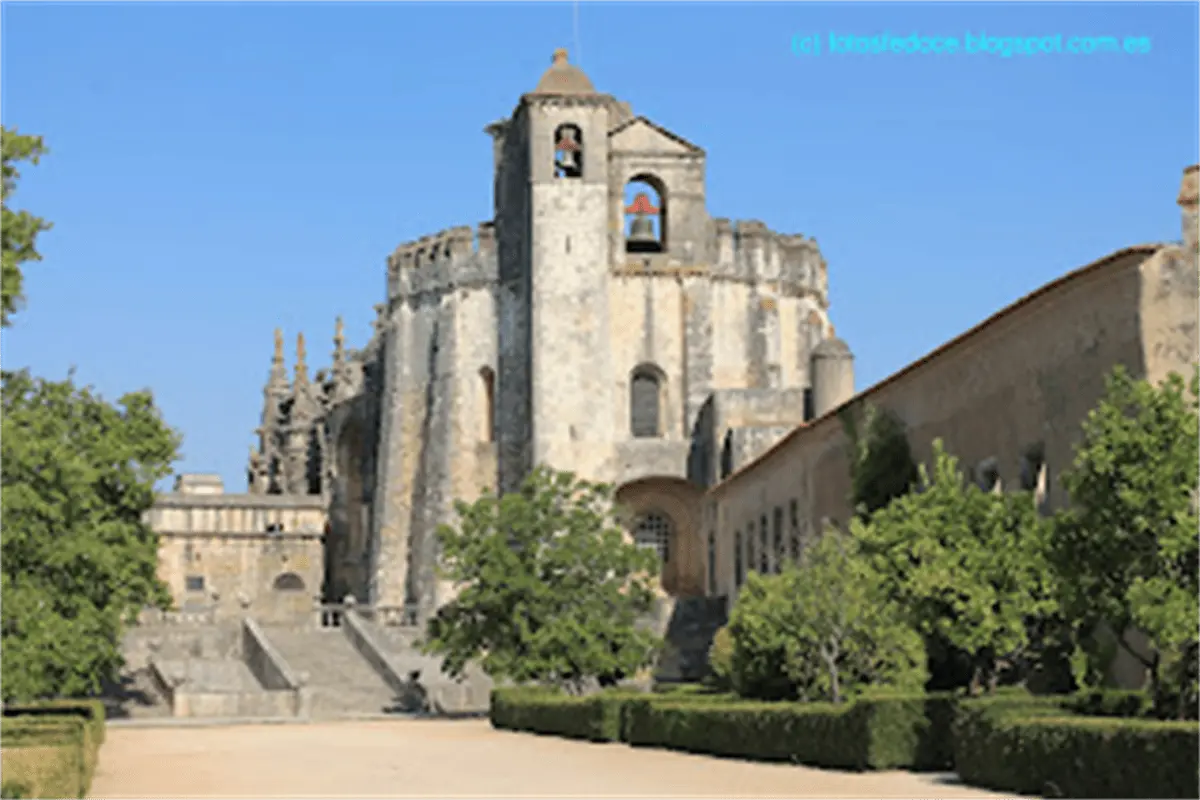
[
  {"x": 72, "y": 730},
  {"x": 878, "y": 733},
  {"x": 1047, "y": 749}
]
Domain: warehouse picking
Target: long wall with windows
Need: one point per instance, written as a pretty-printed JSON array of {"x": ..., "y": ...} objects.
[{"x": 1007, "y": 398}]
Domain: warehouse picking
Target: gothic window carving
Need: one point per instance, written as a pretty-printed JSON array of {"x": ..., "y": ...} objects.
[
  {"x": 488, "y": 423},
  {"x": 653, "y": 532},
  {"x": 568, "y": 151},
  {"x": 645, "y": 215},
  {"x": 289, "y": 582},
  {"x": 645, "y": 402}
]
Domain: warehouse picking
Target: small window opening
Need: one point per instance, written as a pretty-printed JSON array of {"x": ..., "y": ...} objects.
[
  {"x": 739, "y": 563},
  {"x": 195, "y": 583},
  {"x": 653, "y": 532}
]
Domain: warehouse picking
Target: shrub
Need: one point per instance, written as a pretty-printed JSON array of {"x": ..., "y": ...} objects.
[
  {"x": 1042, "y": 748},
  {"x": 720, "y": 660},
  {"x": 46, "y": 756},
  {"x": 1112, "y": 703},
  {"x": 597, "y": 717},
  {"x": 881, "y": 733}
]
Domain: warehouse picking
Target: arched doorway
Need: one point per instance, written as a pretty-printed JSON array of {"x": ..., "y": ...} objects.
[{"x": 663, "y": 514}]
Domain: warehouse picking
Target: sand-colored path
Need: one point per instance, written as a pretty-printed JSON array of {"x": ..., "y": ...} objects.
[{"x": 449, "y": 759}]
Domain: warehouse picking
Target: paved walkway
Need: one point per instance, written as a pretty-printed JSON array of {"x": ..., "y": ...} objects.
[{"x": 463, "y": 758}]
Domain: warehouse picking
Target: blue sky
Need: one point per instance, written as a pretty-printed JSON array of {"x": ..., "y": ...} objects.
[{"x": 222, "y": 169}]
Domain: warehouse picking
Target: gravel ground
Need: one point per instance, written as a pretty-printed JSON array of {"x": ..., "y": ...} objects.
[{"x": 450, "y": 758}]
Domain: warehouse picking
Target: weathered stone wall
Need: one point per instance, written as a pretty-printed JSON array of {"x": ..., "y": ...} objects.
[
  {"x": 218, "y": 552},
  {"x": 1006, "y": 397}
]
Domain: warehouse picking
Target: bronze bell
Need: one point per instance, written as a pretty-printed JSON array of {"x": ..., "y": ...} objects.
[{"x": 642, "y": 229}]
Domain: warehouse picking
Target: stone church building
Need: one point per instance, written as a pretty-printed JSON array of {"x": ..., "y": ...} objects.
[{"x": 604, "y": 323}]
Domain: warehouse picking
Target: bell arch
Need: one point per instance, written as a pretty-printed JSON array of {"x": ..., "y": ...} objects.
[
  {"x": 645, "y": 214},
  {"x": 568, "y": 151},
  {"x": 664, "y": 513}
]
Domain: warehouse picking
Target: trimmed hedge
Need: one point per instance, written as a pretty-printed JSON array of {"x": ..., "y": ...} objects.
[
  {"x": 877, "y": 733},
  {"x": 71, "y": 730},
  {"x": 1045, "y": 749}
]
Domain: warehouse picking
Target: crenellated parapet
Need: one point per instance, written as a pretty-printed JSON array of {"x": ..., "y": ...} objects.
[
  {"x": 749, "y": 251},
  {"x": 459, "y": 257}
]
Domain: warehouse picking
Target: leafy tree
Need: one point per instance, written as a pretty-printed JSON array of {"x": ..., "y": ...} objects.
[
  {"x": 78, "y": 475},
  {"x": 18, "y": 229},
  {"x": 1127, "y": 546},
  {"x": 549, "y": 587},
  {"x": 78, "y": 561},
  {"x": 970, "y": 567},
  {"x": 824, "y": 626},
  {"x": 881, "y": 462}
]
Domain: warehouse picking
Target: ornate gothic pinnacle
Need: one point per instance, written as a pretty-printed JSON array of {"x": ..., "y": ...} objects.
[
  {"x": 277, "y": 382},
  {"x": 301, "y": 365},
  {"x": 339, "y": 344}
]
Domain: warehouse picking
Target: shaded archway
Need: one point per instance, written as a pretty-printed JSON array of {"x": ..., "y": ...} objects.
[{"x": 665, "y": 513}]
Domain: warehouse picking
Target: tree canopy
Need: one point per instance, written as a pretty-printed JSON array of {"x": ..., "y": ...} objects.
[
  {"x": 971, "y": 567},
  {"x": 1127, "y": 547},
  {"x": 549, "y": 587},
  {"x": 881, "y": 462},
  {"x": 822, "y": 630},
  {"x": 18, "y": 229},
  {"x": 76, "y": 559}
]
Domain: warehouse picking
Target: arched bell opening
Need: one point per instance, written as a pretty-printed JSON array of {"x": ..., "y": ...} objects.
[
  {"x": 645, "y": 215},
  {"x": 568, "y": 151}
]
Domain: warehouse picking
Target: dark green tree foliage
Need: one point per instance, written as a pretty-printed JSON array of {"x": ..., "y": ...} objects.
[
  {"x": 78, "y": 561},
  {"x": 78, "y": 475},
  {"x": 1127, "y": 547},
  {"x": 550, "y": 589},
  {"x": 970, "y": 567},
  {"x": 881, "y": 462},
  {"x": 18, "y": 229},
  {"x": 822, "y": 630}
]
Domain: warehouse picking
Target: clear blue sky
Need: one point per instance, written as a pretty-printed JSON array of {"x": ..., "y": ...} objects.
[{"x": 218, "y": 170}]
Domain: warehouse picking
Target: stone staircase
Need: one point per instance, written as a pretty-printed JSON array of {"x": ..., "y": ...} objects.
[
  {"x": 340, "y": 681},
  {"x": 467, "y": 696},
  {"x": 689, "y": 632},
  {"x": 135, "y": 696}
]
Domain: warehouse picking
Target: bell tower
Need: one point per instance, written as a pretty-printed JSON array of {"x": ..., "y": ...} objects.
[{"x": 553, "y": 229}]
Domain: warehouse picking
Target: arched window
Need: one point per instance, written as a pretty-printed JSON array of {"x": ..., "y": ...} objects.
[
  {"x": 645, "y": 402},
  {"x": 764, "y": 549},
  {"x": 751, "y": 550},
  {"x": 488, "y": 423},
  {"x": 645, "y": 215},
  {"x": 653, "y": 532},
  {"x": 739, "y": 563},
  {"x": 289, "y": 582},
  {"x": 568, "y": 151},
  {"x": 712, "y": 562}
]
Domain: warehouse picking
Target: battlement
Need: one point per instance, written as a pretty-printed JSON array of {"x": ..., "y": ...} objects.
[
  {"x": 456, "y": 257},
  {"x": 747, "y": 250}
]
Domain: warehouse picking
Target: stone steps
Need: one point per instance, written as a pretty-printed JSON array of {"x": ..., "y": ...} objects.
[{"x": 340, "y": 681}]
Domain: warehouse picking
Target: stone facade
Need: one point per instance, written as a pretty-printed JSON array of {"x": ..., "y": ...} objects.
[
  {"x": 233, "y": 555},
  {"x": 1007, "y": 398},
  {"x": 623, "y": 335}
]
